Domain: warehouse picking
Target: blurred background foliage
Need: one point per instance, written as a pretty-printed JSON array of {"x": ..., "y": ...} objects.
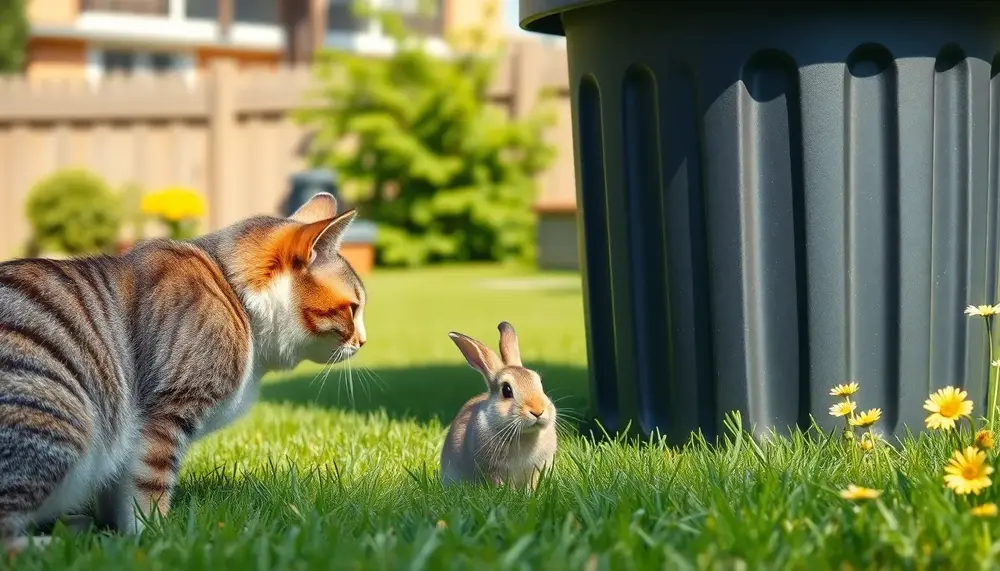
[{"x": 421, "y": 150}]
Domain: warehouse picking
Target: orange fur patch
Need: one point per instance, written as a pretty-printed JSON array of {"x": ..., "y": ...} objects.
[
  {"x": 324, "y": 305},
  {"x": 287, "y": 249}
]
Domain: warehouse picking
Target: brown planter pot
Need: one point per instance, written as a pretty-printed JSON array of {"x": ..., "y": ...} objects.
[{"x": 361, "y": 257}]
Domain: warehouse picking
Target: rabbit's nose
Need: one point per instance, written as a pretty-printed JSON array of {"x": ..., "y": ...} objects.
[{"x": 538, "y": 413}]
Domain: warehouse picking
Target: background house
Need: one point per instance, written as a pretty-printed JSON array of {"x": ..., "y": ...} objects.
[
  {"x": 92, "y": 38},
  {"x": 188, "y": 133}
]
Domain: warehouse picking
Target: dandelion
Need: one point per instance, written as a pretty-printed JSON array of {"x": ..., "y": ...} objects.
[
  {"x": 967, "y": 472},
  {"x": 984, "y": 510},
  {"x": 843, "y": 408},
  {"x": 866, "y": 444},
  {"x": 867, "y": 418},
  {"x": 844, "y": 390},
  {"x": 176, "y": 207},
  {"x": 982, "y": 310},
  {"x": 946, "y": 406},
  {"x": 859, "y": 493},
  {"x": 174, "y": 204},
  {"x": 984, "y": 439}
]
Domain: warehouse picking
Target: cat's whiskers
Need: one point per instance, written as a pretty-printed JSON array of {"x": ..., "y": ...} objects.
[
  {"x": 324, "y": 371},
  {"x": 371, "y": 376},
  {"x": 328, "y": 368}
]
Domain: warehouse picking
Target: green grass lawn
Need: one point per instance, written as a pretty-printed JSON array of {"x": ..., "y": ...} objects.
[{"x": 312, "y": 479}]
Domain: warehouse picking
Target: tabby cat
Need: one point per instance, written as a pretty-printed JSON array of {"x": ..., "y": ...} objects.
[{"x": 111, "y": 366}]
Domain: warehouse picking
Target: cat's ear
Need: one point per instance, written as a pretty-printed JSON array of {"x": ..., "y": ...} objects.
[
  {"x": 479, "y": 356},
  {"x": 322, "y": 206},
  {"x": 509, "y": 350},
  {"x": 320, "y": 240}
]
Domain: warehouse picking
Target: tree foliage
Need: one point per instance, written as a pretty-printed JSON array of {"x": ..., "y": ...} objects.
[
  {"x": 14, "y": 31},
  {"x": 446, "y": 174}
]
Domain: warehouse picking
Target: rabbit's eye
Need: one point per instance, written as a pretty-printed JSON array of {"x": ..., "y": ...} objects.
[{"x": 506, "y": 391}]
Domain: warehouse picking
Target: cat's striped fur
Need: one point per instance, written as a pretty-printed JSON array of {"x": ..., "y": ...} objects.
[{"x": 111, "y": 366}]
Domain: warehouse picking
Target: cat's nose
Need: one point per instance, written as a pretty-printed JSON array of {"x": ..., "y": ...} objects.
[
  {"x": 537, "y": 413},
  {"x": 361, "y": 342}
]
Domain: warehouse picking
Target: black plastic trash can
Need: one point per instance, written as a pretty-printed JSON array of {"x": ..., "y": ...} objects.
[
  {"x": 776, "y": 197},
  {"x": 305, "y": 184}
]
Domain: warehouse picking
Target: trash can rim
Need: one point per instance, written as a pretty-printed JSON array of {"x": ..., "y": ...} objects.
[
  {"x": 315, "y": 174},
  {"x": 543, "y": 16},
  {"x": 361, "y": 232}
]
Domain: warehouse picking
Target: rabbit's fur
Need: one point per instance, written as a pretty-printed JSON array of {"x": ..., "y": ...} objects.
[{"x": 506, "y": 435}]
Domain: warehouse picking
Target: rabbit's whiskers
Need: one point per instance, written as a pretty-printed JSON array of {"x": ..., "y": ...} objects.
[{"x": 496, "y": 444}]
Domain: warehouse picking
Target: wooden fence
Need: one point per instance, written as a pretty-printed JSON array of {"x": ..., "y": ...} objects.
[{"x": 228, "y": 135}]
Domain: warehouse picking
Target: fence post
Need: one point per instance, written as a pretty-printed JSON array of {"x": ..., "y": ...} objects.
[{"x": 223, "y": 199}]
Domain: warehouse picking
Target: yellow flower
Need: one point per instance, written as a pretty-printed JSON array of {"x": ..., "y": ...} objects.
[
  {"x": 843, "y": 408},
  {"x": 982, "y": 310},
  {"x": 844, "y": 390},
  {"x": 984, "y": 439},
  {"x": 866, "y": 444},
  {"x": 947, "y": 406},
  {"x": 858, "y": 493},
  {"x": 984, "y": 510},
  {"x": 866, "y": 418},
  {"x": 967, "y": 472},
  {"x": 151, "y": 204},
  {"x": 174, "y": 204}
]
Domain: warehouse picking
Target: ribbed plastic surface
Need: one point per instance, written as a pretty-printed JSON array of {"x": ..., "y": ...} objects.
[{"x": 779, "y": 199}]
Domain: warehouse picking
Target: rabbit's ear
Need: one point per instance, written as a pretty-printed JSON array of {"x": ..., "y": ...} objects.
[
  {"x": 509, "y": 350},
  {"x": 479, "y": 356}
]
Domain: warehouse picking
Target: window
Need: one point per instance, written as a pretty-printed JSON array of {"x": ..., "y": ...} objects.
[
  {"x": 255, "y": 12},
  {"x": 205, "y": 9},
  {"x": 340, "y": 17},
  {"x": 161, "y": 62},
  {"x": 422, "y": 16},
  {"x": 116, "y": 61}
]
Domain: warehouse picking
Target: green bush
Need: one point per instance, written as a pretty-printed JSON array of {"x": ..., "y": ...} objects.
[
  {"x": 446, "y": 174},
  {"x": 73, "y": 212}
]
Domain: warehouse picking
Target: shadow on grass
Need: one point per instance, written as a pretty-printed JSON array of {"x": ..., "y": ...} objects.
[{"x": 422, "y": 393}]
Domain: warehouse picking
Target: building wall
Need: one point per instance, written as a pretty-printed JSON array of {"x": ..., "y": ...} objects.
[
  {"x": 68, "y": 44},
  {"x": 52, "y": 59},
  {"x": 53, "y": 11}
]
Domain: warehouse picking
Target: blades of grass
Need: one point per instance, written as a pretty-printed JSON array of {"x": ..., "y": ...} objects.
[{"x": 513, "y": 555}]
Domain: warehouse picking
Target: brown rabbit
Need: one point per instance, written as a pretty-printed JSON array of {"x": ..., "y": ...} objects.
[{"x": 508, "y": 434}]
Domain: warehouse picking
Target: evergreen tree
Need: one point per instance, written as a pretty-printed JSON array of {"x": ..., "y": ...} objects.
[{"x": 14, "y": 30}]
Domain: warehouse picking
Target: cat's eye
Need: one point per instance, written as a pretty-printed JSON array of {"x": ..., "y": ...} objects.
[
  {"x": 354, "y": 309},
  {"x": 506, "y": 391}
]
